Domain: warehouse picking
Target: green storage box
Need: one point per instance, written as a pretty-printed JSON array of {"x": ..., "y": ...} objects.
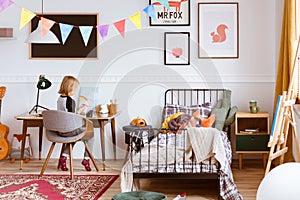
[{"x": 140, "y": 195}]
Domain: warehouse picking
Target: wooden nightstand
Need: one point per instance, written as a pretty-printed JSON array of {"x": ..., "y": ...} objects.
[{"x": 252, "y": 141}]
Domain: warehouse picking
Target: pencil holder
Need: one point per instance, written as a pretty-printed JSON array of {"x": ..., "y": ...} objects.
[{"x": 112, "y": 108}]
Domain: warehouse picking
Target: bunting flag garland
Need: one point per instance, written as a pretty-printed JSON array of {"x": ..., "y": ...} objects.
[
  {"x": 4, "y": 4},
  {"x": 85, "y": 33},
  {"x": 164, "y": 3},
  {"x": 65, "y": 30},
  {"x": 103, "y": 30},
  {"x": 136, "y": 20},
  {"x": 149, "y": 10},
  {"x": 120, "y": 25},
  {"x": 46, "y": 25},
  {"x": 26, "y": 16}
]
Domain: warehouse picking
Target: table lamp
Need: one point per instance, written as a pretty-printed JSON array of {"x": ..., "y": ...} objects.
[{"x": 42, "y": 84}]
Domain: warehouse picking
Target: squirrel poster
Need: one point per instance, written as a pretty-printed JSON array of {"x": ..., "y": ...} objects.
[{"x": 220, "y": 35}]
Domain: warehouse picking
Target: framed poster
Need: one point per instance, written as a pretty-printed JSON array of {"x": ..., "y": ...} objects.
[
  {"x": 74, "y": 47},
  {"x": 177, "y": 48},
  {"x": 89, "y": 96},
  {"x": 218, "y": 30},
  {"x": 177, "y": 15}
]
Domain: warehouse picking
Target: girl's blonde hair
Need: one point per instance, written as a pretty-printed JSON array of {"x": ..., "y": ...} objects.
[{"x": 68, "y": 85}]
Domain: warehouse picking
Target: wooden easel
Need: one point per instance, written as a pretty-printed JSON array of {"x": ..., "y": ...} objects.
[{"x": 286, "y": 119}]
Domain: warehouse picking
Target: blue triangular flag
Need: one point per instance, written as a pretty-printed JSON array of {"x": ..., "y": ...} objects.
[
  {"x": 65, "y": 30},
  {"x": 150, "y": 11},
  {"x": 165, "y": 3},
  {"x": 85, "y": 33}
]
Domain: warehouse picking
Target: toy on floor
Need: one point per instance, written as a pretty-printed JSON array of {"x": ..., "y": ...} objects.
[
  {"x": 16, "y": 144},
  {"x": 181, "y": 196}
]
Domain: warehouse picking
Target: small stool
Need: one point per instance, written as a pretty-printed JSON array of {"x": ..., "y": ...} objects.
[
  {"x": 138, "y": 195},
  {"x": 129, "y": 128}
]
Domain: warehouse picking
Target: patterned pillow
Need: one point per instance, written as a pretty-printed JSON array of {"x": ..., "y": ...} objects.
[
  {"x": 205, "y": 109},
  {"x": 171, "y": 109}
]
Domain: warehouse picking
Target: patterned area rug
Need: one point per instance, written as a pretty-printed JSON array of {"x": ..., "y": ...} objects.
[{"x": 54, "y": 187}]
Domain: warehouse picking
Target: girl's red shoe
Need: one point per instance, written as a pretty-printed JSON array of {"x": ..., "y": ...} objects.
[
  {"x": 63, "y": 163},
  {"x": 86, "y": 164}
]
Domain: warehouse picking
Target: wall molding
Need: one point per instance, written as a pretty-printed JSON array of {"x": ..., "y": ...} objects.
[{"x": 227, "y": 78}]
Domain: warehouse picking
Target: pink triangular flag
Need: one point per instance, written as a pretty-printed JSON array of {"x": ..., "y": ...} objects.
[
  {"x": 120, "y": 25},
  {"x": 46, "y": 25},
  {"x": 103, "y": 30}
]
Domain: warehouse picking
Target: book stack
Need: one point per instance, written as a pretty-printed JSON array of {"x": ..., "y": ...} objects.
[{"x": 250, "y": 130}]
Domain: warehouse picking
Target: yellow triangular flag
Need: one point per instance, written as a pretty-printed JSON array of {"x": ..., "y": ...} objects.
[
  {"x": 26, "y": 16},
  {"x": 136, "y": 20}
]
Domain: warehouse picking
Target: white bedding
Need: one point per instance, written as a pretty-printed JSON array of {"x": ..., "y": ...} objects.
[{"x": 205, "y": 142}]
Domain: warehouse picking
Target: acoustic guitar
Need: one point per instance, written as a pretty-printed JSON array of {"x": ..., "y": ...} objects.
[{"x": 4, "y": 144}]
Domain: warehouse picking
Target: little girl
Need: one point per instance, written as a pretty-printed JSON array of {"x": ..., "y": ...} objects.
[{"x": 65, "y": 102}]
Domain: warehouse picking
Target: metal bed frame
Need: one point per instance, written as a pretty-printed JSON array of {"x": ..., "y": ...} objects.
[{"x": 183, "y": 97}]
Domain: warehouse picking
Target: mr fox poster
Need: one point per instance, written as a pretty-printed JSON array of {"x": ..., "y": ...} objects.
[{"x": 178, "y": 13}]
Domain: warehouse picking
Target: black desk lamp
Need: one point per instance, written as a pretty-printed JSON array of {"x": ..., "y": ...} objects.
[{"x": 41, "y": 85}]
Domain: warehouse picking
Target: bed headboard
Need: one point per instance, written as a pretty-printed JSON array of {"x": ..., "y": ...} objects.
[
  {"x": 204, "y": 100},
  {"x": 187, "y": 97}
]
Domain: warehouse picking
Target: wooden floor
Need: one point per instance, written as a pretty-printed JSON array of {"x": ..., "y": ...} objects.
[{"x": 247, "y": 179}]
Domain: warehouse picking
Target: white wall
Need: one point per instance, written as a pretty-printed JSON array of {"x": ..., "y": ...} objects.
[{"x": 132, "y": 70}]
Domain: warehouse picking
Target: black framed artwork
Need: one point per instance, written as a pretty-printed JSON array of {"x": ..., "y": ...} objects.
[
  {"x": 74, "y": 47},
  {"x": 178, "y": 13},
  {"x": 177, "y": 48}
]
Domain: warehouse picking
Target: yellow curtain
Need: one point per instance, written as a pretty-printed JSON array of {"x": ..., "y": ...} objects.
[{"x": 286, "y": 58}]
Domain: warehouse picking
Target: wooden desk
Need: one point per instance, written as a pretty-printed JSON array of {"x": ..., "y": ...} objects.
[{"x": 99, "y": 122}]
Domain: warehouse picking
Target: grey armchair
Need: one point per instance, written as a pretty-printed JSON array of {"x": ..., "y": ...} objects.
[{"x": 55, "y": 121}]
